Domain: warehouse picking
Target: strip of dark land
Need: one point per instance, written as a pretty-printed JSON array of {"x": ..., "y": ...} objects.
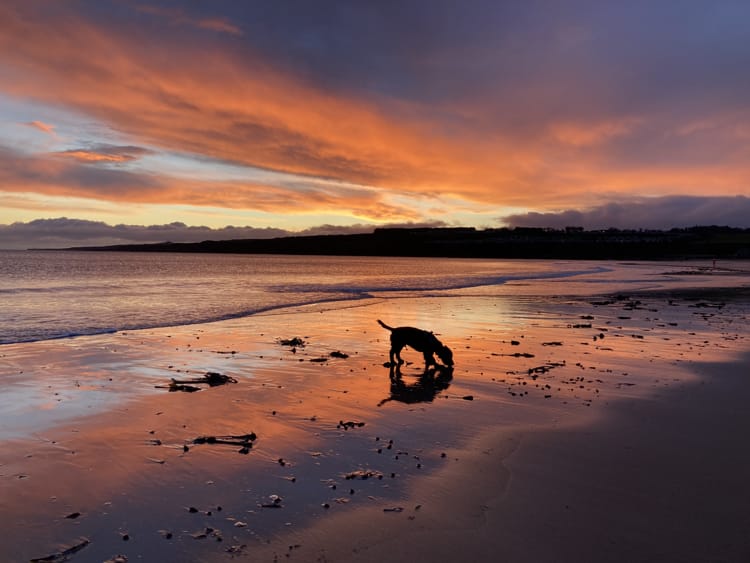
[{"x": 571, "y": 243}]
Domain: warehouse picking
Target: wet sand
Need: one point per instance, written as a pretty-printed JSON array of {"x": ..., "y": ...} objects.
[
  {"x": 576, "y": 428},
  {"x": 653, "y": 480}
]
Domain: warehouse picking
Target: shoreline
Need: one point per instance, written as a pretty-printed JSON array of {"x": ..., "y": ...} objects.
[
  {"x": 295, "y": 404},
  {"x": 664, "y": 279}
]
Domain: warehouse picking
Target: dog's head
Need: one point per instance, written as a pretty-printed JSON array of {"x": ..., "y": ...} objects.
[{"x": 445, "y": 355}]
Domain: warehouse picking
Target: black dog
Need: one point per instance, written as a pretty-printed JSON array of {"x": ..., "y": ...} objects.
[{"x": 421, "y": 341}]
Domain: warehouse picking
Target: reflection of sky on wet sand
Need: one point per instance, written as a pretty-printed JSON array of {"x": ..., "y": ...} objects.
[{"x": 525, "y": 361}]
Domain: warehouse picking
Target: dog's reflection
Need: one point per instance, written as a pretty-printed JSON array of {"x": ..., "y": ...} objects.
[{"x": 435, "y": 379}]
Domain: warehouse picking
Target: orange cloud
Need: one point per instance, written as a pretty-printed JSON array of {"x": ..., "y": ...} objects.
[
  {"x": 233, "y": 107},
  {"x": 587, "y": 134},
  {"x": 179, "y": 17},
  {"x": 75, "y": 177},
  {"x": 105, "y": 154},
  {"x": 41, "y": 126},
  {"x": 213, "y": 104},
  {"x": 87, "y": 156},
  {"x": 220, "y": 25}
]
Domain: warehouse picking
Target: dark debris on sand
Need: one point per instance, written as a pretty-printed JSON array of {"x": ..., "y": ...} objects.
[
  {"x": 211, "y": 378},
  {"x": 349, "y": 424},
  {"x": 363, "y": 474},
  {"x": 339, "y": 354}
]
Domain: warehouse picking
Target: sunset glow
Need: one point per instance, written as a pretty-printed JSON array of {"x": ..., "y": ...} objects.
[{"x": 295, "y": 117}]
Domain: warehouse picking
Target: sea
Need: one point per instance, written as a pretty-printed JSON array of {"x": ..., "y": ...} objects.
[{"x": 59, "y": 294}]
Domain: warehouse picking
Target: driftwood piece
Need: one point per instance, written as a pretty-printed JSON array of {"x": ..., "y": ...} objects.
[
  {"x": 211, "y": 378},
  {"x": 245, "y": 441},
  {"x": 63, "y": 554}
]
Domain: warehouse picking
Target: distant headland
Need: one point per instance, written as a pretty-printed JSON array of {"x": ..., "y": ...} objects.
[{"x": 570, "y": 243}]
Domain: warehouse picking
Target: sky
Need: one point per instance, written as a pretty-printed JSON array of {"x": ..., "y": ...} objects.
[{"x": 144, "y": 121}]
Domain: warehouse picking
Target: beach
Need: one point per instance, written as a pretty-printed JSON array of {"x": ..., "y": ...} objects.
[{"x": 577, "y": 424}]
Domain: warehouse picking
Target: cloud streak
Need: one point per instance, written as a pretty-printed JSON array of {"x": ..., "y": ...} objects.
[
  {"x": 107, "y": 154},
  {"x": 177, "y": 16},
  {"x": 87, "y": 174},
  {"x": 41, "y": 126}
]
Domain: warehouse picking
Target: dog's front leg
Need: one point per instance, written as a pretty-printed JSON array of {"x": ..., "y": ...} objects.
[{"x": 396, "y": 353}]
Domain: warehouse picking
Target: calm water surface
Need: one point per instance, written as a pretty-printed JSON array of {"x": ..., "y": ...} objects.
[{"x": 45, "y": 295}]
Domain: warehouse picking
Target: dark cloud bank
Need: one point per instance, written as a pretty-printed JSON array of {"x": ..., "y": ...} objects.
[
  {"x": 64, "y": 233},
  {"x": 646, "y": 213}
]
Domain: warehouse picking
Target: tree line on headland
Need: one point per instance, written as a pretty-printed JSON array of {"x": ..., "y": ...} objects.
[{"x": 467, "y": 242}]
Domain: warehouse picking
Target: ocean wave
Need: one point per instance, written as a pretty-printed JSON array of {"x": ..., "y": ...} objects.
[
  {"x": 438, "y": 284},
  {"x": 36, "y": 333},
  {"x": 200, "y": 289}
]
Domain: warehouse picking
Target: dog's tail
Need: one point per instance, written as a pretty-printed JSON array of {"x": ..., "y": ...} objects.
[{"x": 385, "y": 326}]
